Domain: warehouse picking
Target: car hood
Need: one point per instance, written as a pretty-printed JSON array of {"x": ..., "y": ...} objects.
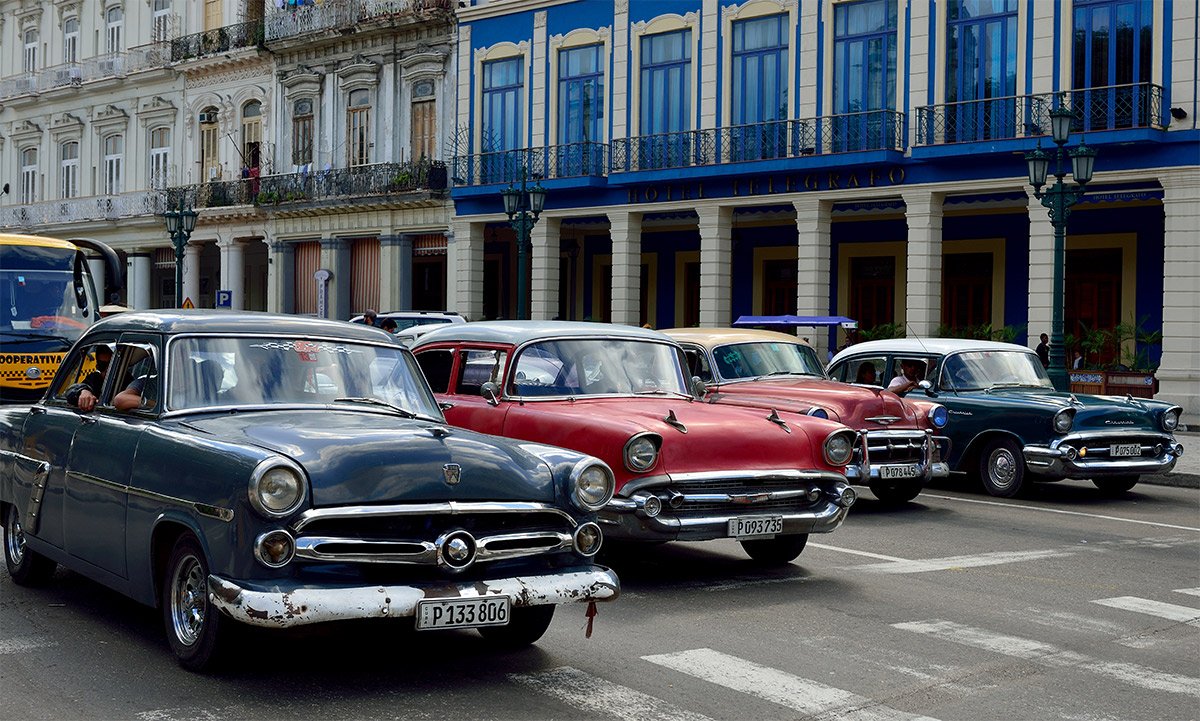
[
  {"x": 356, "y": 457},
  {"x": 1091, "y": 412},
  {"x": 849, "y": 404}
]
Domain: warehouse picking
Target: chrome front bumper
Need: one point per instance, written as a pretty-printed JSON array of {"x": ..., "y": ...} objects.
[
  {"x": 931, "y": 465},
  {"x": 281, "y": 605},
  {"x": 626, "y": 517},
  {"x": 1062, "y": 459}
]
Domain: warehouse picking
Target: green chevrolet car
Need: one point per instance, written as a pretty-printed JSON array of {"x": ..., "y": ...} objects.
[{"x": 1009, "y": 425}]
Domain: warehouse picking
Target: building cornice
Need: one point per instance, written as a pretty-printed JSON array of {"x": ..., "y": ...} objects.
[{"x": 510, "y": 7}]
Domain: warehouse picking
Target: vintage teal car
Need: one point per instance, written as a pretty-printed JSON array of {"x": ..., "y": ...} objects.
[
  {"x": 280, "y": 471},
  {"x": 1010, "y": 426}
]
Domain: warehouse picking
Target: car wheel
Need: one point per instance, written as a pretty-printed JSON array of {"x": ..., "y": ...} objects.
[
  {"x": 195, "y": 629},
  {"x": 1002, "y": 468},
  {"x": 26, "y": 566},
  {"x": 895, "y": 492},
  {"x": 1115, "y": 485},
  {"x": 524, "y": 628},
  {"x": 776, "y": 551}
]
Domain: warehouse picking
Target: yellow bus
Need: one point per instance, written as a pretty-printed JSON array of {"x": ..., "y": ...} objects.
[{"x": 47, "y": 299}]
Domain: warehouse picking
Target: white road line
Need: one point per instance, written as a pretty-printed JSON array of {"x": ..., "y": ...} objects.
[
  {"x": 853, "y": 552},
  {"x": 730, "y": 585},
  {"x": 1189, "y": 591},
  {"x": 1049, "y": 655},
  {"x": 1059, "y": 511},
  {"x": 595, "y": 696},
  {"x": 1169, "y": 611},
  {"x": 188, "y": 714},
  {"x": 944, "y": 564},
  {"x": 810, "y": 698},
  {"x": 19, "y": 645}
]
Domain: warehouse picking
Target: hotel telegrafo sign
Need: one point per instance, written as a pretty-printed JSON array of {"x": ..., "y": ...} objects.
[{"x": 771, "y": 184}]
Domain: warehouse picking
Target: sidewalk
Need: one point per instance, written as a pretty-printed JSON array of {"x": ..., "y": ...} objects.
[{"x": 1187, "y": 468}]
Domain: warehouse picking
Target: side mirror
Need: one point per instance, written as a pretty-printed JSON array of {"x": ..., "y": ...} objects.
[
  {"x": 491, "y": 392},
  {"x": 927, "y": 387},
  {"x": 445, "y": 405},
  {"x": 699, "y": 390}
]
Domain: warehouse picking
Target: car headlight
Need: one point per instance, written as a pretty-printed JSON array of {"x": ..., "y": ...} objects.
[
  {"x": 1170, "y": 418},
  {"x": 641, "y": 452},
  {"x": 818, "y": 412},
  {"x": 276, "y": 487},
  {"x": 839, "y": 447},
  {"x": 1063, "y": 420},
  {"x": 592, "y": 485},
  {"x": 939, "y": 416}
]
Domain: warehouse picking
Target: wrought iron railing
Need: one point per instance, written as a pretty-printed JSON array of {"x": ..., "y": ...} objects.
[
  {"x": 294, "y": 21},
  {"x": 380, "y": 179},
  {"x": 217, "y": 40},
  {"x": 1027, "y": 116},
  {"x": 78, "y": 210},
  {"x": 572, "y": 160},
  {"x": 101, "y": 67},
  {"x": 219, "y": 194}
]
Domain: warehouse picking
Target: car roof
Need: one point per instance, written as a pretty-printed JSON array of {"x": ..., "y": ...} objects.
[
  {"x": 517, "y": 332},
  {"x": 713, "y": 337},
  {"x": 225, "y": 321},
  {"x": 926, "y": 346},
  {"x": 35, "y": 240}
]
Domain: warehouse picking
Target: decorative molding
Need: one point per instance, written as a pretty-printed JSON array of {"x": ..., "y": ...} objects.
[
  {"x": 24, "y": 131},
  {"x": 621, "y": 7},
  {"x": 27, "y": 16},
  {"x": 581, "y": 36},
  {"x": 359, "y": 72},
  {"x": 66, "y": 9},
  {"x": 502, "y": 50},
  {"x": 733, "y": 12},
  {"x": 539, "y": 20},
  {"x": 669, "y": 22},
  {"x": 65, "y": 124},
  {"x": 156, "y": 109}
]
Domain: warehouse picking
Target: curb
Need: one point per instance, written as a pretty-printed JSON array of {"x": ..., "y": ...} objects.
[{"x": 1178, "y": 480}]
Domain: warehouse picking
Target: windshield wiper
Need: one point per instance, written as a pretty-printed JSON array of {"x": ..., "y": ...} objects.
[
  {"x": 376, "y": 402},
  {"x": 1003, "y": 385},
  {"x": 33, "y": 337}
]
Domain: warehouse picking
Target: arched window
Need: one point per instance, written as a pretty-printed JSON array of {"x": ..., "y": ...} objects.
[
  {"x": 29, "y": 176},
  {"x": 252, "y": 134},
  {"x": 31, "y": 43},
  {"x": 114, "y": 161},
  {"x": 115, "y": 22},
  {"x": 302, "y": 131},
  {"x": 160, "y": 158},
  {"x": 210, "y": 165},
  {"x": 358, "y": 126},
  {"x": 68, "y": 186},
  {"x": 71, "y": 40}
]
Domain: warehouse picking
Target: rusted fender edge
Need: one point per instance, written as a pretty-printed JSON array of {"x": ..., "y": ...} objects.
[{"x": 286, "y": 607}]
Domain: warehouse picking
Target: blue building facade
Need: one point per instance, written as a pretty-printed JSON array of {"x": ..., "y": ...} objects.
[{"x": 706, "y": 159}]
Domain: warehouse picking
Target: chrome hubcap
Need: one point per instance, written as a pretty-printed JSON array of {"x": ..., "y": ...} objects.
[
  {"x": 14, "y": 538},
  {"x": 188, "y": 601},
  {"x": 1002, "y": 468}
]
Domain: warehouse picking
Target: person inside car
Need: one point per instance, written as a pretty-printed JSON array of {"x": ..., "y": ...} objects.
[
  {"x": 909, "y": 377},
  {"x": 84, "y": 395}
]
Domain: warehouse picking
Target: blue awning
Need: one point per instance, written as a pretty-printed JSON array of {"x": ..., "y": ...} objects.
[{"x": 792, "y": 321}]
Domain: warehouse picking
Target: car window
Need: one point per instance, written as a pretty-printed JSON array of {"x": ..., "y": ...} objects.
[
  {"x": 924, "y": 367},
  {"x": 758, "y": 359},
  {"x": 608, "y": 366},
  {"x": 867, "y": 371},
  {"x": 436, "y": 365},
  {"x": 137, "y": 370},
  {"x": 81, "y": 367},
  {"x": 697, "y": 363},
  {"x": 479, "y": 367}
]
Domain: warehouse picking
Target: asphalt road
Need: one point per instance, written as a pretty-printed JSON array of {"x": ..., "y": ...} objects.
[{"x": 1062, "y": 605}]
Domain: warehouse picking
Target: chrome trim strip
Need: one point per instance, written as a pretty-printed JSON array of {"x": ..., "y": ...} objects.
[
  {"x": 204, "y": 509},
  {"x": 1115, "y": 431},
  {"x": 423, "y": 509},
  {"x": 309, "y": 547},
  {"x": 789, "y": 474},
  {"x": 748, "y": 499}
]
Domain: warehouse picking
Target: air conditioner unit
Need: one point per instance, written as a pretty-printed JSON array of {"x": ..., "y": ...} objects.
[{"x": 208, "y": 116}]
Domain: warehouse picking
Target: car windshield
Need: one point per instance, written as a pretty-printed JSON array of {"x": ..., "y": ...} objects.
[
  {"x": 214, "y": 371},
  {"x": 597, "y": 367},
  {"x": 766, "y": 358},
  {"x": 993, "y": 369}
]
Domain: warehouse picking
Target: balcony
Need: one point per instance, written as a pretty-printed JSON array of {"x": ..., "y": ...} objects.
[
  {"x": 331, "y": 16},
  {"x": 81, "y": 210},
  {"x": 220, "y": 194},
  {"x": 101, "y": 67},
  {"x": 1115, "y": 107},
  {"x": 217, "y": 41},
  {"x": 573, "y": 160},
  {"x": 384, "y": 181}
]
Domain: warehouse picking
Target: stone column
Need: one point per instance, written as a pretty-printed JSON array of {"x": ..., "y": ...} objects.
[
  {"x": 620, "y": 71},
  {"x": 1041, "y": 271},
  {"x": 923, "y": 296},
  {"x": 1179, "y": 372},
  {"x": 813, "y": 216},
  {"x": 395, "y": 269},
  {"x": 544, "y": 281},
  {"x": 716, "y": 262},
  {"x": 464, "y": 269},
  {"x": 281, "y": 277},
  {"x": 335, "y": 257},
  {"x": 137, "y": 279},
  {"x": 233, "y": 272},
  {"x": 191, "y": 273},
  {"x": 625, "y": 229}
]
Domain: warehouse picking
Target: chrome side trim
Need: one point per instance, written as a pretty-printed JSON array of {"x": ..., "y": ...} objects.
[
  {"x": 426, "y": 552},
  {"x": 787, "y": 474},
  {"x": 423, "y": 509},
  {"x": 204, "y": 509}
]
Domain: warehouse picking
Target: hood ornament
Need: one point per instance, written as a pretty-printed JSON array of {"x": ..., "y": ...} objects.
[
  {"x": 452, "y": 473},
  {"x": 883, "y": 420},
  {"x": 674, "y": 422},
  {"x": 774, "y": 418}
]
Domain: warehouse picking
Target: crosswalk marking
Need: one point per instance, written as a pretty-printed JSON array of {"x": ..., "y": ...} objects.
[
  {"x": 1051, "y": 655},
  {"x": 18, "y": 645},
  {"x": 1189, "y": 591},
  {"x": 1169, "y": 611},
  {"x": 952, "y": 562},
  {"x": 595, "y": 696},
  {"x": 808, "y": 697}
]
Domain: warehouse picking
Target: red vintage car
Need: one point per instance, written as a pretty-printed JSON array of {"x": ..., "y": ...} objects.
[
  {"x": 685, "y": 470},
  {"x": 777, "y": 371}
]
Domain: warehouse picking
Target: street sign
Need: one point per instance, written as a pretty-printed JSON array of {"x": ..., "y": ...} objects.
[
  {"x": 188, "y": 304},
  {"x": 224, "y": 298}
]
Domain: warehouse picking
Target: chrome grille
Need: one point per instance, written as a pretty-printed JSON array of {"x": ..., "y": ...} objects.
[
  {"x": 895, "y": 447},
  {"x": 1100, "y": 446},
  {"x": 783, "y": 505}
]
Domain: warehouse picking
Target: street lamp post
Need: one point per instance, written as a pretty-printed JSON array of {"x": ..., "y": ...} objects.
[
  {"x": 1058, "y": 199},
  {"x": 180, "y": 224},
  {"x": 523, "y": 206}
]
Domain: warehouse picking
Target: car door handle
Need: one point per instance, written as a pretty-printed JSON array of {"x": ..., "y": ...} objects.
[
  {"x": 87, "y": 420},
  {"x": 37, "y": 410},
  {"x": 445, "y": 405}
]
